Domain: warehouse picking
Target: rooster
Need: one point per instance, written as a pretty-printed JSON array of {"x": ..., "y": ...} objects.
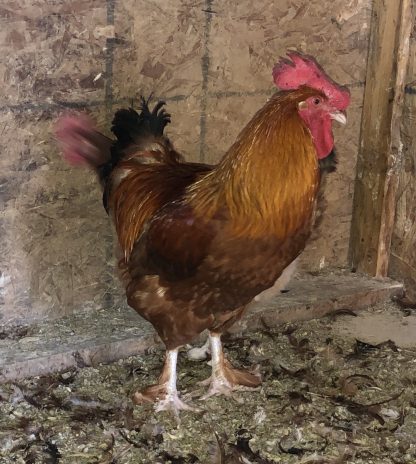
[{"x": 198, "y": 243}]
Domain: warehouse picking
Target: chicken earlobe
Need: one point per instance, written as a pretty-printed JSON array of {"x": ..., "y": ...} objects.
[
  {"x": 225, "y": 378},
  {"x": 164, "y": 394}
]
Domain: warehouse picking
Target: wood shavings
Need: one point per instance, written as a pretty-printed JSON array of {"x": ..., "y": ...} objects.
[{"x": 87, "y": 414}]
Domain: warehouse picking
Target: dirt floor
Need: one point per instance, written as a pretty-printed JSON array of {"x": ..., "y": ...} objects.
[{"x": 335, "y": 390}]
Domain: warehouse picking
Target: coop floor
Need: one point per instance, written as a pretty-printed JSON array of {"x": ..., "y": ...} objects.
[{"x": 340, "y": 389}]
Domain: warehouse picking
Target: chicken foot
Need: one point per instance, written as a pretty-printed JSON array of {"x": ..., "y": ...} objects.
[
  {"x": 164, "y": 394},
  {"x": 225, "y": 377}
]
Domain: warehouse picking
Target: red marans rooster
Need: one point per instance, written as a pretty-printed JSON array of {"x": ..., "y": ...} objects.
[{"x": 200, "y": 242}]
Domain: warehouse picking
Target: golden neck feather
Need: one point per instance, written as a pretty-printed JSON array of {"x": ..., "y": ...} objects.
[{"x": 269, "y": 177}]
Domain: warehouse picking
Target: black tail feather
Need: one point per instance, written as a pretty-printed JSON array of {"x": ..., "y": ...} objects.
[{"x": 130, "y": 126}]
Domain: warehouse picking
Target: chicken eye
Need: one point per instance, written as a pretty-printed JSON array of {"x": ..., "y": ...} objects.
[{"x": 316, "y": 101}]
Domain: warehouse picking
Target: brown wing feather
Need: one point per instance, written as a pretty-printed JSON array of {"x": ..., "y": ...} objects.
[
  {"x": 177, "y": 242},
  {"x": 139, "y": 191}
]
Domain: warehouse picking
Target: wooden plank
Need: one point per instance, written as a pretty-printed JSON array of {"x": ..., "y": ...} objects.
[
  {"x": 380, "y": 155},
  {"x": 395, "y": 154},
  {"x": 87, "y": 338},
  {"x": 403, "y": 254}
]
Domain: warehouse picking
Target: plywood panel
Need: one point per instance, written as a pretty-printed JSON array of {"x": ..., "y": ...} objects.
[
  {"x": 247, "y": 41},
  {"x": 159, "y": 48},
  {"x": 51, "y": 50}
]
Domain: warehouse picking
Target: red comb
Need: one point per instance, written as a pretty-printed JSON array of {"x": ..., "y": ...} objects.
[{"x": 298, "y": 70}]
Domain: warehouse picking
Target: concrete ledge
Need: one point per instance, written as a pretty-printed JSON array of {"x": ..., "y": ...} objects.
[{"x": 94, "y": 337}]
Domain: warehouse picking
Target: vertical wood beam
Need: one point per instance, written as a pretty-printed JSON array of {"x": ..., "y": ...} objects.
[{"x": 380, "y": 149}]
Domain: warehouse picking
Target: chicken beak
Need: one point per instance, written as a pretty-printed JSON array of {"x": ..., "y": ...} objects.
[{"x": 339, "y": 116}]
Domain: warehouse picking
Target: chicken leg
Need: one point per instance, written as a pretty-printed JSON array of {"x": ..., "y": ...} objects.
[
  {"x": 225, "y": 377},
  {"x": 164, "y": 394}
]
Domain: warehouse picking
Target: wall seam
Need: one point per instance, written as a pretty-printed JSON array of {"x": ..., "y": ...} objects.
[{"x": 205, "y": 63}]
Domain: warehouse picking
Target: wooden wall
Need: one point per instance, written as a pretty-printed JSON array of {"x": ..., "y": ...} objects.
[
  {"x": 210, "y": 60},
  {"x": 403, "y": 256}
]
